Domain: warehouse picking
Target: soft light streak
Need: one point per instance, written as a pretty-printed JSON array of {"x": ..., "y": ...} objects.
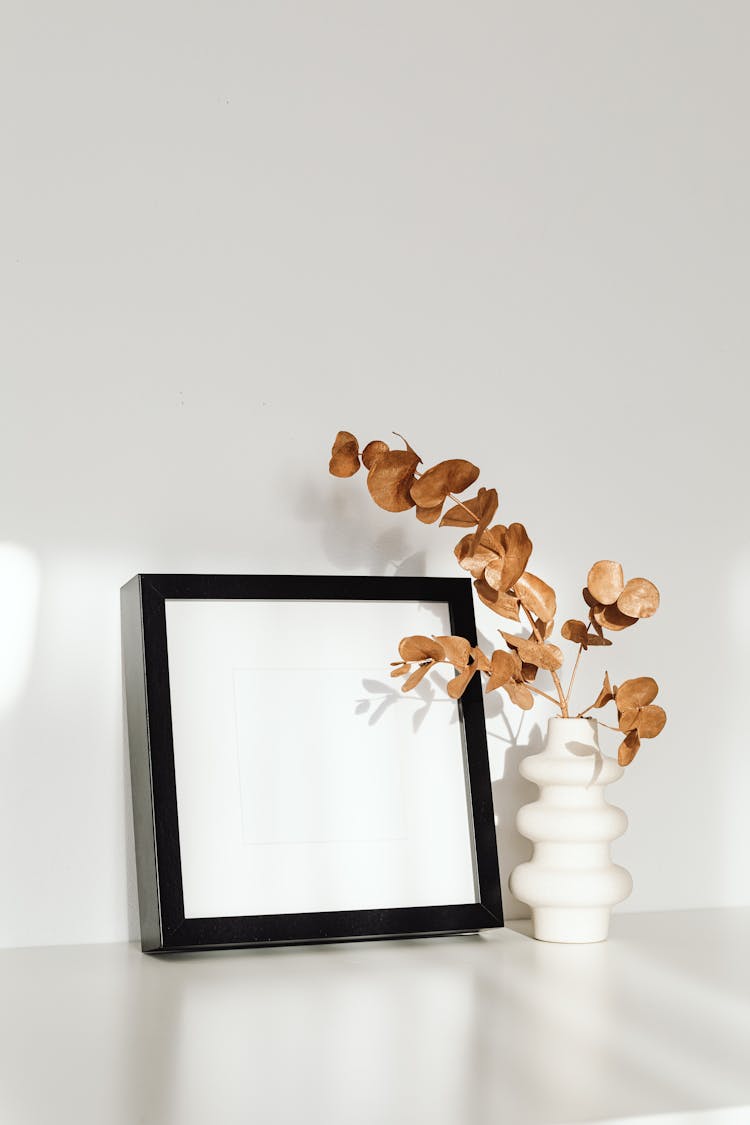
[{"x": 19, "y": 603}]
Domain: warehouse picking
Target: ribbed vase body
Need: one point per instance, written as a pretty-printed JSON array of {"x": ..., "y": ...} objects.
[{"x": 571, "y": 883}]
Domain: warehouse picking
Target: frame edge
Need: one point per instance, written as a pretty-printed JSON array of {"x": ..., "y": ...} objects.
[{"x": 136, "y": 707}]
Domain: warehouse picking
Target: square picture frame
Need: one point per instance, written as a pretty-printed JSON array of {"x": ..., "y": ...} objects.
[{"x": 284, "y": 789}]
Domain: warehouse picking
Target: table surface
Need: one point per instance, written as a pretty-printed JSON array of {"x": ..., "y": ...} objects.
[{"x": 453, "y": 1031}]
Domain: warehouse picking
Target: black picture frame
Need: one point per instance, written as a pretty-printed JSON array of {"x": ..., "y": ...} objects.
[{"x": 164, "y": 927}]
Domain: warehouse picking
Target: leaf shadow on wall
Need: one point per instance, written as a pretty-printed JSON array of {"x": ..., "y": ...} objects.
[
  {"x": 350, "y": 535},
  {"x": 509, "y": 792}
]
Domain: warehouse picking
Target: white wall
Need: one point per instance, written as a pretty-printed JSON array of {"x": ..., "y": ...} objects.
[{"x": 516, "y": 232}]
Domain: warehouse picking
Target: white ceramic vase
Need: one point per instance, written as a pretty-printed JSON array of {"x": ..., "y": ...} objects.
[{"x": 570, "y": 883}]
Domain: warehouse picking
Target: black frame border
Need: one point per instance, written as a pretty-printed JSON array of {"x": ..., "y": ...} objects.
[{"x": 164, "y": 927}]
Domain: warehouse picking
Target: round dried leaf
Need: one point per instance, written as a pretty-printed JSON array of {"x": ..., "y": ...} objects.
[
  {"x": 612, "y": 618},
  {"x": 503, "y": 604},
  {"x": 417, "y": 675},
  {"x": 520, "y": 695},
  {"x": 528, "y": 672},
  {"x": 460, "y": 682},
  {"x": 456, "y": 650},
  {"x": 536, "y": 596},
  {"x": 401, "y": 669},
  {"x": 502, "y": 669},
  {"x": 344, "y": 455},
  {"x": 429, "y": 515},
  {"x": 518, "y": 549},
  {"x": 638, "y": 692},
  {"x": 606, "y": 581},
  {"x": 628, "y": 748},
  {"x": 651, "y": 720},
  {"x": 629, "y": 719},
  {"x": 545, "y": 656},
  {"x": 420, "y": 648},
  {"x": 390, "y": 479},
  {"x": 493, "y": 573},
  {"x": 487, "y": 509},
  {"x": 449, "y": 476},
  {"x": 576, "y": 632},
  {"x": 473, "y": 561},
  {"x": 478, "y": 509},
  {"x": 372, "y": 451},
  {"x": 640, "y": 598}
]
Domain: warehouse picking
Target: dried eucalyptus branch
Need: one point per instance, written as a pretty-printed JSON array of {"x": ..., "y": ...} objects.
[{"x": 496, "y": 558}]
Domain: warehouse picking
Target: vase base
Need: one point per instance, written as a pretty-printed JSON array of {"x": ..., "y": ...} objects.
[{"x": 572, "y": 925}]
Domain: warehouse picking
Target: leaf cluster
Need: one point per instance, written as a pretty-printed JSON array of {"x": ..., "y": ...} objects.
[{"x": 496, "y": 556}]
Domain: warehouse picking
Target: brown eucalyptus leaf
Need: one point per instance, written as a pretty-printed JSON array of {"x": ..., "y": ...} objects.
[
  {"x": 638, "y": 692},
  {"x": 589, "y": 598},
  {"x": 435, "y": 484},
  {"x": 520, "y": 695},
  {"x": 536, "y": 596},
  {"x": 502, "y": 669},
  {"x": 480, "y": 659},
  {"x": 420, "y": 648},
  {"x": 605, "y": 581},
  {"x": 390, "y": 479},
  {"x": 457, "y": 650},
  {"x": 629, "y": 719},
  {"x": 544, "y": 628},
  {"x": 607, "y": 694},
  {"x": 628, "y": 748},
  {"x": 400, "y": 669},
  {"x": 576, "y": 632},
  {"x": 372, "y": 451},
  {"x": 493, "y": 572},
  {"x": 545, "y": 656},
  {"x": 493, "y": 539},
  {"x": 461, "y": 515},
  {"x": 640, "y": 598},
  {"x": 528, "y": 672},
  {"x": 344, "y": 455},
  {"x": 651, "y": 720},
  {"x": 518, "y": 549},
  {"x": 487, "y": 509},
  {"x": 429, "y": 515},
  {"x": 473, "y": 561},
  {"x": 458, "y": 516},
  {"x": 417, "y": 675},
  {"x": 612, "y": 618},
  {"x": 459, "y": 683},
  {"x": 597, "y": 640},
  {"x": 503, "y": 604}
]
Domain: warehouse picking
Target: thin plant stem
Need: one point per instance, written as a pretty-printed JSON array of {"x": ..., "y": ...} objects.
[
  {"x": 538, "y": 691},
  {"x": 573, "y": 676},
  {"x": 561, "y": 701}
]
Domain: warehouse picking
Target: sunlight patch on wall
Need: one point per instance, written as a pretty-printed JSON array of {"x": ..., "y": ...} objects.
[{"x": 19, "y": 604}]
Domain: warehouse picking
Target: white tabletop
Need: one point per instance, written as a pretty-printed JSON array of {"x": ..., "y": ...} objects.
[{"x": 454, "y": 1031}]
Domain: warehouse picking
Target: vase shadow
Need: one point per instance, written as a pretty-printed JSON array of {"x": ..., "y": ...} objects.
[{"x": 509, "y": 793}]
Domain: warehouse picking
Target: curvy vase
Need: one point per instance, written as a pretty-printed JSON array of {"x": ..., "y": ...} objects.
[{"x": 570, "y": 883}]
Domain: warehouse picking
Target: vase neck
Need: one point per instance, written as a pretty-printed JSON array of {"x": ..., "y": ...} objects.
[{"x": 578, "y": 737}]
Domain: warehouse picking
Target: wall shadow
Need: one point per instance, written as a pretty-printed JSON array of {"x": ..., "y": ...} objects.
[{"x": 509, "y": 793}]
